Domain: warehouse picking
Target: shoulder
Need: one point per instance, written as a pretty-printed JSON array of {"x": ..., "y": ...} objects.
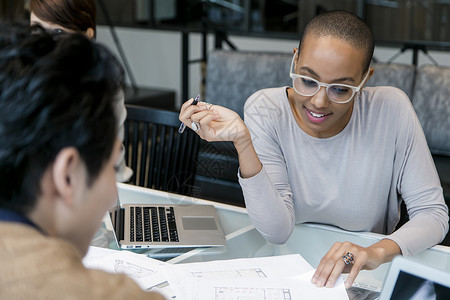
[
  {"x": 388, "y": 109},
  {"x": 54, "y": 269},
  {"x": 385, "y": 102},
  {"x": 266, "y": 111},
  {"x": 84, "y": 282},
  {"x": 385, "y": 96},
  {"x": 266, "y": 100}
]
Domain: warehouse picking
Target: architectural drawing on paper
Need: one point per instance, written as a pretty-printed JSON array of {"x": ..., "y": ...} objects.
[
  {"x": 238, "y": 293},
  {"x": 247, "y": 273},
  {"x": 131, "y": 270}
]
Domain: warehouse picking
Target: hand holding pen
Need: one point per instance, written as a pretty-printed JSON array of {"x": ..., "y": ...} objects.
[
  {"x": 213, "y": 122},
  {"x": 183, "y": 126}
]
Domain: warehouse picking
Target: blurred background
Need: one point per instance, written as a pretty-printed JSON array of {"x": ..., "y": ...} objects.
[{"x": 166, "y": 42}]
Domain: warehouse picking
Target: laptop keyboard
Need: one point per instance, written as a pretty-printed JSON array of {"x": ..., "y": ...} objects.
[{"x": 153, "y": 224}]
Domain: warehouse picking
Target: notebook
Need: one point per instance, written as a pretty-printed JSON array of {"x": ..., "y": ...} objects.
[
  {"x": 408, "y": 279},
  {"x": 166, "y": 226}
]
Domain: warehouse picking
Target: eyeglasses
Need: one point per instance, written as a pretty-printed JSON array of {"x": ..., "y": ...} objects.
[{"x": 307, "y": 86}]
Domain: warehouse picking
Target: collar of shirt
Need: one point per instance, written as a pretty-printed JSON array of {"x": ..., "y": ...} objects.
[{"x": 7, "y": 215}]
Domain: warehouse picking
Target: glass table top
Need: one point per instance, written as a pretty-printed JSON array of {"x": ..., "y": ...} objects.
[{"x": 311, "y": 241}]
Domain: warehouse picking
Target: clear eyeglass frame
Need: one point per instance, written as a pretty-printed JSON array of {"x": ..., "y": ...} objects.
[{"x": 354, "y": 89}]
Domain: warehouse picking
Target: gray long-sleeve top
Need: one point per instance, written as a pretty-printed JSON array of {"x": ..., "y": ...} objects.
[{"x": 354, "y": 180}]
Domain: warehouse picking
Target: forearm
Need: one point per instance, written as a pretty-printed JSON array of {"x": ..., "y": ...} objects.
[
  {"x": 384, "y": 251},
  {"x": 249, "y": 162},
  {"x": 267, "y": 210},
  {"x": 271, "y": 214},
  {"x": 422, "y": 231}
]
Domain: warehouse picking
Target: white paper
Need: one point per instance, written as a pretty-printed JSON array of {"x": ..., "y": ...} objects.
[
  {"x": 284, "y": 277},
  {"x": 271, "y": 266},
  {"x": 148, "y": 273},
  {"x": 274, "y": 267},
  {"x": 338, "y": 291},
  {"x": 266, "y": 289}
]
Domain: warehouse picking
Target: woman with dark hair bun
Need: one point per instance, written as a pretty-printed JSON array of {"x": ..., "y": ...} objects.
[{"x": 78, "y": 16}]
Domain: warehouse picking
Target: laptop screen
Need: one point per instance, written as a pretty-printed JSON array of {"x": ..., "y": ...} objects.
[{"x": 116, "y": 214}]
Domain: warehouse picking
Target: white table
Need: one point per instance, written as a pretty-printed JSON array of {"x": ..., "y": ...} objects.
[{"x": 311, "y": 241}]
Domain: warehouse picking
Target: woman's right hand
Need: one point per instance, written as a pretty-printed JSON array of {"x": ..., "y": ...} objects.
[{"x": 217, "y": 123}]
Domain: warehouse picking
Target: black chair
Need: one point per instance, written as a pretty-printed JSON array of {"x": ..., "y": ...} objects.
[{"x": 161, "y": 158}]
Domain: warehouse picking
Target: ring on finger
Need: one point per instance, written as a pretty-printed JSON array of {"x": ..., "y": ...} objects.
[
  {"x": 208, "y": 106},
  {"x": 348, "y": 258},
  {"x": 195, "y": 126}
]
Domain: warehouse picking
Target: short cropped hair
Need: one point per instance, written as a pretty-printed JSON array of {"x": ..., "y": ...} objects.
[
  {"x": 345, "y": 26},
  {"x": 77, "y": 15},
  {"x": 55, "y": 92}
]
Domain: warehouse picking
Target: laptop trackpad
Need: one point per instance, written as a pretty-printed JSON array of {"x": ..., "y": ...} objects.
[{"x": 199, "y": 223}]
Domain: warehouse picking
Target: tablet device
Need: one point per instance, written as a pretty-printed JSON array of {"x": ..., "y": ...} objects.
[{"x": 408, "y": 279}]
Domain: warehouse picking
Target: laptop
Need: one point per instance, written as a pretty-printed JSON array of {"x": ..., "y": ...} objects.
[
  {"x": 166, "y": 226},
  {"x": 408, "y": 279}
]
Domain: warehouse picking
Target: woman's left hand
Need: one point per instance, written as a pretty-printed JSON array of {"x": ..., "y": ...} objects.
[{"x": 358, "y": 258}]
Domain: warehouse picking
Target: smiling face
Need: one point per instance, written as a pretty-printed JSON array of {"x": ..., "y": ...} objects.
[{"x": 328, "y": 60}]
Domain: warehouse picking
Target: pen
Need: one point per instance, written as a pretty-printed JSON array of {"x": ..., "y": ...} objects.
[{"x": 183, "y": 126}]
